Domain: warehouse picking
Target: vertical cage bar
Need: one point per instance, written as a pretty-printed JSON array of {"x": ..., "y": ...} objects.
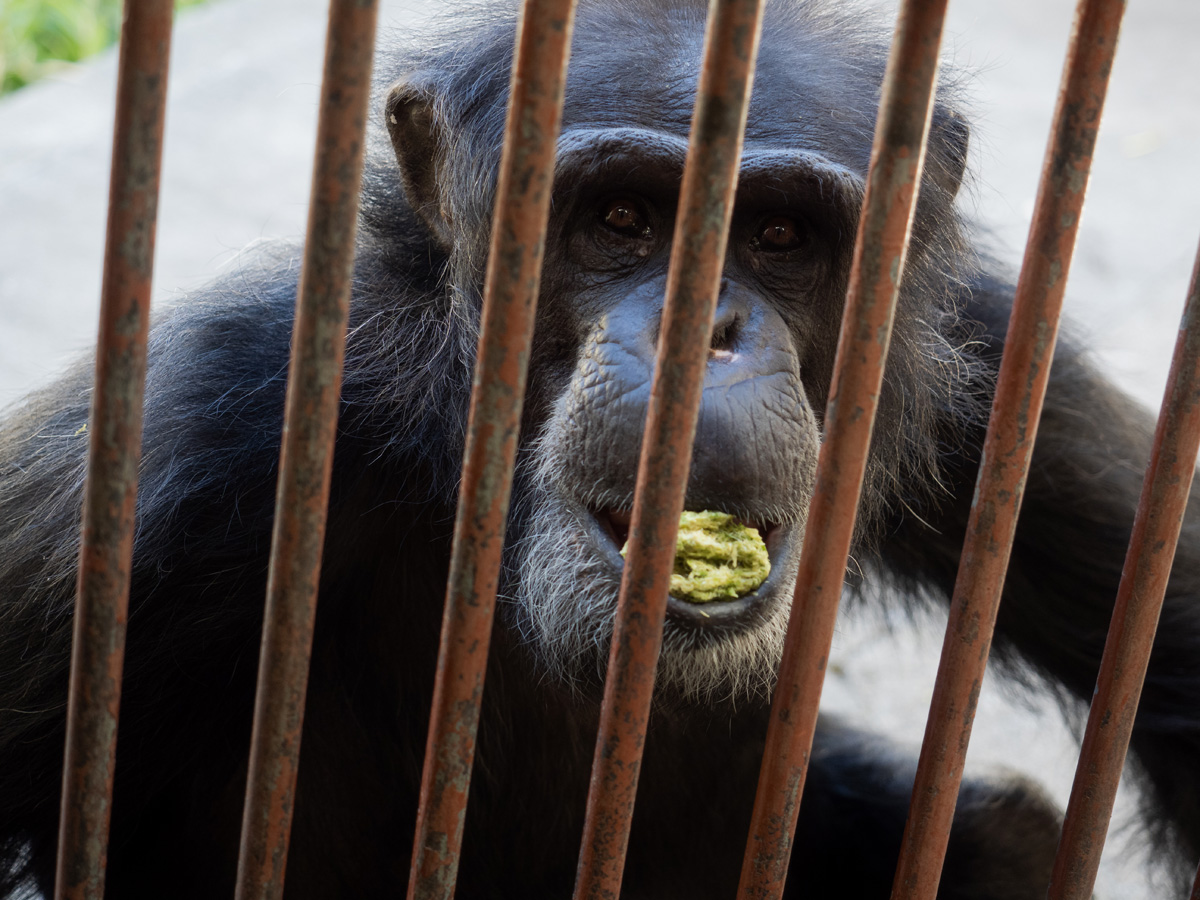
[
  {"x": 1020, "y": 389},
  {"x": 893, "y": 180},
  {"x": 1135, "y": 615},
  {"x": 1196, "y": 886},
  {"x": 306, "y": 456},
  {"x": 693, "y": 284},
  {"x": 114, "y": 452},
  {"x": 514, "y": 268}
]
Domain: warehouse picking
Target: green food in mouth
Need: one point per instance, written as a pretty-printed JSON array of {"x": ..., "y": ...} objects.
[{"x": 716, "y": 558}]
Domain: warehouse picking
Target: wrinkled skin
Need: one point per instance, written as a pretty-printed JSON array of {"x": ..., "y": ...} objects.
[{"x": 213, "y": 414}]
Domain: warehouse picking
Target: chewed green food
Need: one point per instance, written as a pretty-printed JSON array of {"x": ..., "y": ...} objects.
[{"x": 716, "y": 558}]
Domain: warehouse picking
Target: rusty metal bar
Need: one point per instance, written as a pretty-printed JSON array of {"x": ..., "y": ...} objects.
[
  {"x": 306, "y": 456},
  {"x": 509, "y": 303},
  {"x": 114, "y": 452},
  {"x": 693, "y": 284},
  {"x": 1196, "y": 886},
  {"x": 1020, "y": 389},
  {"x": 897, "y": 159},
  {"x": 1135, "y": 615},
  {"x": 892, "y": 184}
]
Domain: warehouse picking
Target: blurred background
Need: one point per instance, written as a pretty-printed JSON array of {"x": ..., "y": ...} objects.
[
  {"x": 238, "y": 156},
  {"x": 39, "y": 38}
]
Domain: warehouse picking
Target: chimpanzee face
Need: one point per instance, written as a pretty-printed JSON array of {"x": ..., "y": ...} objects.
[{"x": 770, "y": 359}]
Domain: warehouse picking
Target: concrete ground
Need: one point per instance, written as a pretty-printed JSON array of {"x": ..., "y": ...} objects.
[{"x": 240, "y": 127}]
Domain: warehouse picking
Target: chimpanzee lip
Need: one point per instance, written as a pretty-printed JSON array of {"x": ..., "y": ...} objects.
[{"x": 735, "y": 614}]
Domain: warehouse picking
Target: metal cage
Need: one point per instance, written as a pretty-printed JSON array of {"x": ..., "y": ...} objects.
[{"x": 511, "y": 288}]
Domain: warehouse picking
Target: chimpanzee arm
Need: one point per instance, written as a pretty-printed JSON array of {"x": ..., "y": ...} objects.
[
  {"x": 1077, "y": 515},
  {"x": 213, "y": 411},
  {"x": 215, "y": 387},
  {"x": 856, "y": 800}
]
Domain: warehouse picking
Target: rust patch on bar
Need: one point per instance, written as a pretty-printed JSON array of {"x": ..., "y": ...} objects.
[
  {"x": 1135, "y": 615},
  {"x": 1016, "y": 408},
  {"x": 306, "y": 457},
  {"x": 693, "y": 285},
  {"x": 114, "y": 452},
  {"x": 897, "y": 159},
  {"x": 509, "y": 304}
]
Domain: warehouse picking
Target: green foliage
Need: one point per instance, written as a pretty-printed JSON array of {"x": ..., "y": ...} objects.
[{"x": 38, "y": 36}]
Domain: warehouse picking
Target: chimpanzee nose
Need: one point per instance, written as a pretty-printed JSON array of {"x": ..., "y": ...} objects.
[
  {"x": 726, "y": 327},
  {"x": 751, "y": 410},
  {"x": 730, "y": 319}
]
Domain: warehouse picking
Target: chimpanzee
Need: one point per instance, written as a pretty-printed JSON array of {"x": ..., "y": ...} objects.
[{"x": 212, "y": 424}]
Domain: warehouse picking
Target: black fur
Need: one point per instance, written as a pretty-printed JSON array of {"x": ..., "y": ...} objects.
[{"x": 213, "y": 416}]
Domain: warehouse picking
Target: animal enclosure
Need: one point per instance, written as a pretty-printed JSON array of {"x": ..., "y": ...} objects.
[{"x": 506, "y": 331}]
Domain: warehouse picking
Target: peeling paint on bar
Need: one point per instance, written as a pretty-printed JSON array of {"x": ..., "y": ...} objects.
[
  {"x": 509, "y": 303},
  {"x": 306, "y": 456},
  {"x": 1020, "y": 389},
  {"x": 1135, "y": 615},
  {"x": 892, "y": 184},
  {"x": 693, "y": 285},
  {"x": 114, "y": 452}
]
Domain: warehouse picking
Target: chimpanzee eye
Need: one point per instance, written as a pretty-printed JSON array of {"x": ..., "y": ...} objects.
[
  {"x": 626, "y": 217},
  {"x": 779, "y": 234}
]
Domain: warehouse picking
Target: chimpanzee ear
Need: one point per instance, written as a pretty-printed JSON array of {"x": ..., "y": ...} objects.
[
  {"x": 418, "y": 138},
  {"x": 946, "y": 159}
]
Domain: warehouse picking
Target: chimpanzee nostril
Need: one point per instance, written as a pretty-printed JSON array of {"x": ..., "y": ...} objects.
[{"x": 725, "y": 332}]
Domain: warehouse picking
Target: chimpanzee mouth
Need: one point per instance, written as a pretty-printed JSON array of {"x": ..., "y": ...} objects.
[{"x": 732, "y": 614}]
